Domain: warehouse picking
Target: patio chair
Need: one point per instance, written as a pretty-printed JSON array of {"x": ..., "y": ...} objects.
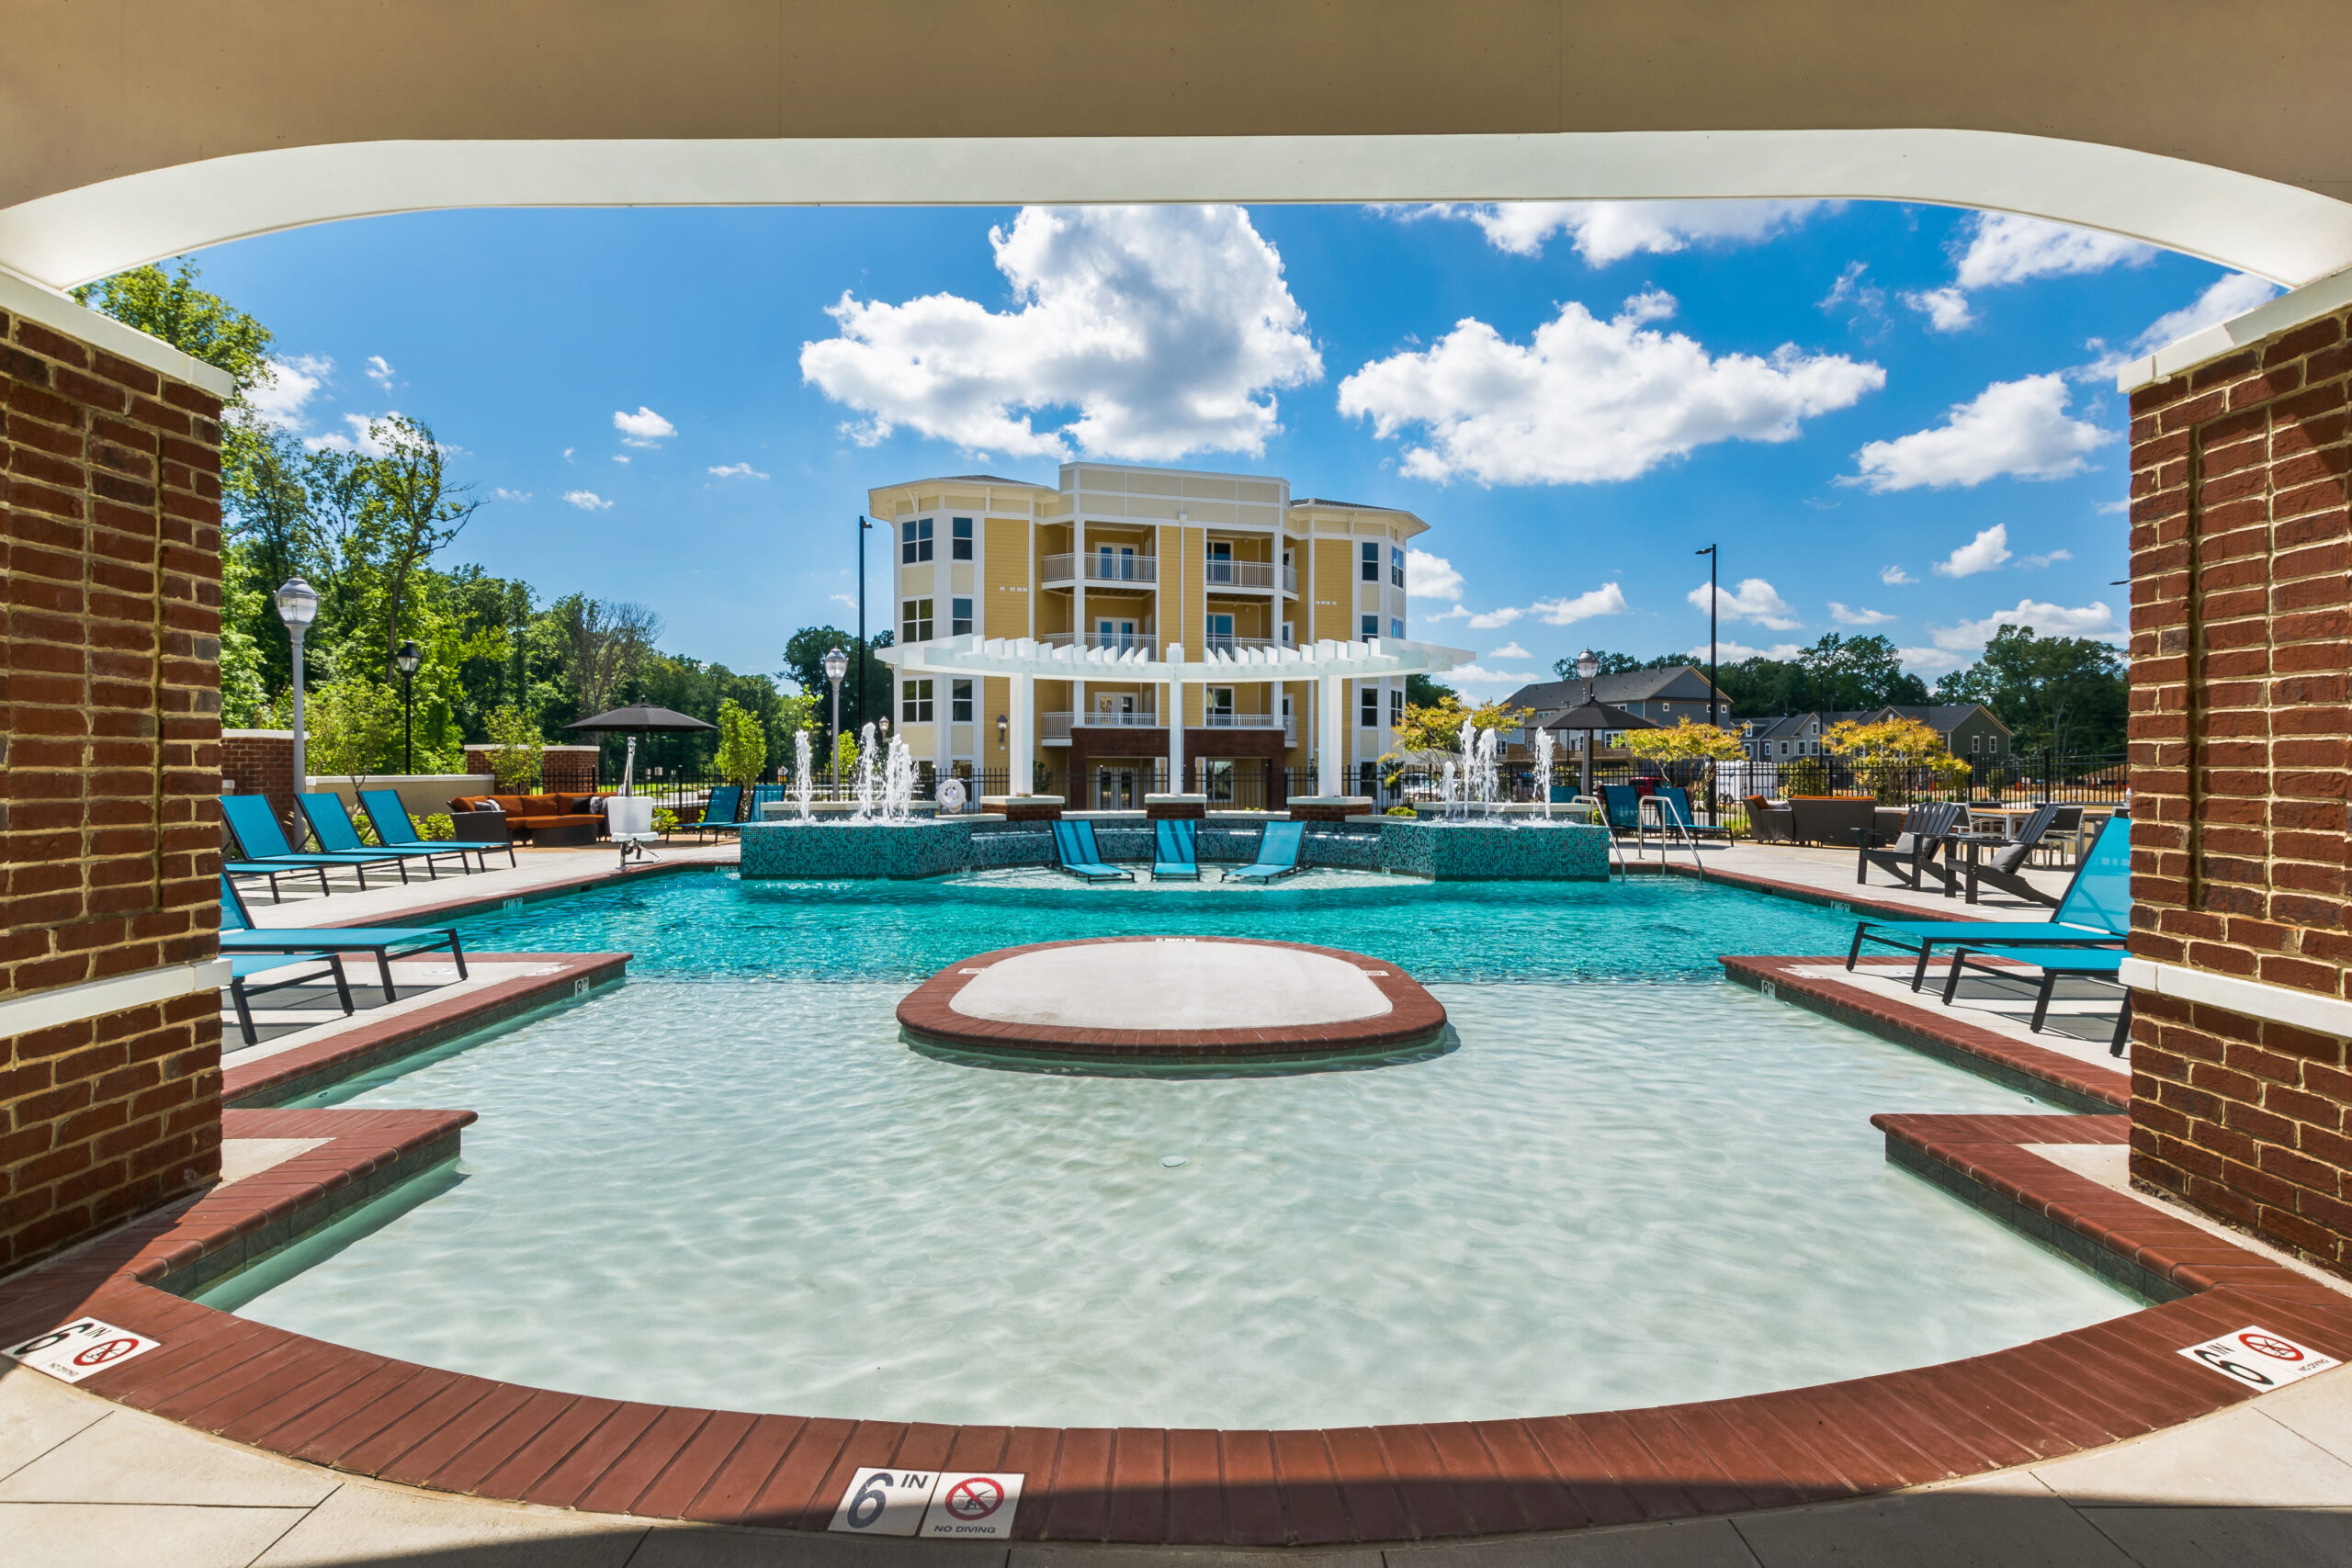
[
  {"x": 246, "y": 868},
  {"x": 2095, "y": 912},
  {"x": 1621, "y": 808},
  {"x": 261, "y": 843},
  {"x": 2096, "y": 964},
  {"x": 241, "y": 995},
  {"x": 331, "y": 825},
  {"x": 1277, "y": 848},
  {"x": 1178, "y": 854},
  {"x": 238, "y": 935},
  {"x": 1911, "y": 857},
  {"x": 1769, "y": 824},
  {"x": 718, "y": 812},
  {"x": 2005, "y": 871},
  {"x": 396, "y": 829},
  {"x": 762, "y": 796},
  {"x": 1674, "y": 811},
  {"x": 1080, "y": 858}
]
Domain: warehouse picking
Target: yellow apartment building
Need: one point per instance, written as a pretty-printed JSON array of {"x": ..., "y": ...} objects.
[{"x": 1117, "y": 569}]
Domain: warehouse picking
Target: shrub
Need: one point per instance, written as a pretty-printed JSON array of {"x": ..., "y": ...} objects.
[
  {"x": 1400, "y": 811},
  {"x": 517, "y": 757},
  {"x": 664, "y": 820},
  {"x": 438, "y": 826},
  {"x": 1805, "y": 776}
]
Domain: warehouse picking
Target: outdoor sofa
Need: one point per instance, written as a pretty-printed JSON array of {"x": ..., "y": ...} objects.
[{"x": 531, "y": 819}]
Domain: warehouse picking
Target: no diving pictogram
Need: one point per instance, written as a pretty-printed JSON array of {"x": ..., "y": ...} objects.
[
  {"x": 974, "y": 1506},
  {"x": 2258, "y": 1359},
  {"x": 975, "y": 1498},
  {"x": 81, "y": 1349},
  {"x": 99, "y": 1355}
]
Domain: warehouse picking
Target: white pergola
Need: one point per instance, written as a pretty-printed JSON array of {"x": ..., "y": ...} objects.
[{"x": 1025, "y": 661}]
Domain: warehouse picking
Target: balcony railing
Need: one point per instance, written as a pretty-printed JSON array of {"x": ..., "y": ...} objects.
[
  {"x": 1143, "y": 642},
  {"x": 1053, "y": 729},
  {"x": 1099, "y": 568},
  {"x": 1242, "y": 574},
  {"x": 1217, "y": 643},
  {"x": 1214, "y": 719}
]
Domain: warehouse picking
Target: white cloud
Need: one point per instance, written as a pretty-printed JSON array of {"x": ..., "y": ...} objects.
[
  {"x": 360, "y": 439},
  {"x": 1606, "y": 231},
  {"x": 2114, "y": 508},
  {"x": 380, "y": 370},
  {"x": 1846, "y": 616},
  {"x": 1479, "y": 676},
  {"x": 643, "y": 428},
  {"x": 737, "y": 471},
  {"x": 568, "y": 452},
  {"x": 2018, "y": 428},
  {"x": 1947, "y": 310},
  {"x": 1487, "y": 620},
  {"x": 1753, "y": 600},
  {"x": 2092, "y": 620},
  {"x": 2007, "y": 247},
  {"x": 1931, "y": 660},
  {"x": 1589, "y": 399},
  {"x": 1431, "y": 575},
  {"x": 1606, "y": 600},
  {"x": 1982, "y": 553},
  {"x": 503, "y": 493},
  {"x": 285, "y": 387},
  {"x": 1510, "y": 650},
  {"x": 2233, "y": 294},
  {"x": 587, "y": 501},
  {"x": 1732, "y": 652},
  {"x": 843, "y": 600},
  {"x": 620, "y": 457},
  {"x": 1165, "y": 328},
  {"x": 2035, "y": 563},
  {"x": 1894, "y": 575}
]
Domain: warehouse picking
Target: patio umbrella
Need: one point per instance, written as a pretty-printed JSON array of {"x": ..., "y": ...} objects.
[
  {"x": 1590, "y": 716},
  {"x": 642, "y": 718}
]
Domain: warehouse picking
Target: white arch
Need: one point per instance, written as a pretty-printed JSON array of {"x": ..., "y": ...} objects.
[{"x": 2277, "y": 232}]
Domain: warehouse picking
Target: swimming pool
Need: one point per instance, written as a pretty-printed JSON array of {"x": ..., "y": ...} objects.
[{"x": 729, "y": 1183}]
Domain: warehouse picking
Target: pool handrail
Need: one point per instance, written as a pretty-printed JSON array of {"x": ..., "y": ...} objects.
[
  {"x": 1278, "y": 848},
  {"x": 2094, "y": 912},
  {"x": 1177, "y": 851}
]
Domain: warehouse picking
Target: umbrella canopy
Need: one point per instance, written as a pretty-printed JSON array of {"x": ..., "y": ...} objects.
[
  {"x": 641, "y": 719},
  {"x": 1594, "y": 715}
]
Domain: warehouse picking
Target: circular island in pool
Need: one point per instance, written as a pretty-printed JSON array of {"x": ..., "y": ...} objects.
[{"x": 1172, "y": 999}]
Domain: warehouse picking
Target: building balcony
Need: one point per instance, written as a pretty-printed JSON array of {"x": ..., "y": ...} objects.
[
  {"x": 1054, "y": 728},
  {"x": 1215, "y": 643},
  {"x": 1062, "y": 570},
  {"x": 1215, "y": 719},
  {"x": 1246, "y": 574}
]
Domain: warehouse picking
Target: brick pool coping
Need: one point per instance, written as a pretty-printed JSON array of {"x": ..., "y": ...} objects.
[
  {"x": 398, "y": 1421},
  {"x": 1414, "y": 1017},
  {"x": 1933, "y": 1030},
  {"x": 304, "y": 1069}
]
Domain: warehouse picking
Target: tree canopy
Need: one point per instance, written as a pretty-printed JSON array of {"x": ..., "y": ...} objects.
[{"x": 2064, "y": 694}]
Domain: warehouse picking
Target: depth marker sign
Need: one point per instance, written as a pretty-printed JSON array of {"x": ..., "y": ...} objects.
[
  {"x": 2259, "y": 1358},
  {"x": 974, "y": 1506},
  {"x": 885, "y": 1502},
  {"x": 80, "y": 1349}
]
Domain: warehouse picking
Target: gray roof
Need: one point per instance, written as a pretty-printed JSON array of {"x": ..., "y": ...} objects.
[
  {"x": 1632, "y": 686},
  {"x": 1349, "y": 505},
  {"x": 966, "y": 479},
  {"x": 1941, "y": 718}
]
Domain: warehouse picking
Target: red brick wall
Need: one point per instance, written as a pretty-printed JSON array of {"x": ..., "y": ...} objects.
[
  {"x": 109, "y": 740},
  {"x": 261, "y": 761},
  {"x": 564, "y": 768},
  {"x": 2241, "y": 742}
]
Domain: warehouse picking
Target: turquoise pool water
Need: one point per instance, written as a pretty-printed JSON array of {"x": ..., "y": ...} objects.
[{"x": 729, "y": 1183}]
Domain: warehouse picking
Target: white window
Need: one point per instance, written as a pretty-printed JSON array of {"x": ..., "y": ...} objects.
[
  {"x": 1372, "y": 563},
  {"x": 1992, "y": 743},
  {"x": 1395, "y": 565},
  {"x": 914, "y": 620},
  {"x": 914, "y": 705},
  {"x": 1397, "y": 626},
  {"x": 1369, "y": 703},
  {"x": 959, "y": 702},
  {"x": 1371, "y": 627},
  {"x": 960, "y": 618},
  {"x": 914, "y": 541},
  {"x": 1290, "y": 635},
  {"x": 1220, "y": 701},
  {"x": 959, "y": 546},
  {"x": 1975, "y": 743},
  {"x": 1396, "y": 707},
  {"x": 1220, "y": 631}
]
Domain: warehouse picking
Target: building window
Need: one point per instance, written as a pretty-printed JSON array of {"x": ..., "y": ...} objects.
[
  {"x": 1397, "y": 708},
  {"x": 914, "y": 706},
  {"x": 1290, "y": 635},
  {"x": 1975, "y": 743},
  {"x": 1397, "y": 626},
  {"x": 960, "y": 618},
  {"x": 1372, "y": 563},
  {"x": 1367, "y": 778},
  {"x": 914, "y": 541},
  {"x": 959, "y": 545},
  {"x": 1371, "y": 627},
  {"x": 1369, "y": 704},
  {"x": 959, "y": 702},
  {"x": 1395, "y": 565},
  {"x": 914, "y": 620},
  {"x": 1992, "y": 744},
  {"x": 1217, "y": 778},
  {"x": 1220, "y": 701},
  {"x": 1219, "y": 631}
]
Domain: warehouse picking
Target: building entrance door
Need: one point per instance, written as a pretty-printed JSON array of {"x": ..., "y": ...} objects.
[{"x": 1115, "y": 790}]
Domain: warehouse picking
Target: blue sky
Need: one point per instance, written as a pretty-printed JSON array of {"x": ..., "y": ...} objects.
[{"x": 1893, "y": 419}]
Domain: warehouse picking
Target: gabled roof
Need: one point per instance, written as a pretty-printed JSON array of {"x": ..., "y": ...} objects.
[{"x": 1631, "y": 686}]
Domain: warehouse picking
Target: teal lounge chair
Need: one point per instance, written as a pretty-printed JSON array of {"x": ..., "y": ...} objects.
[
  {"x": 331, "y": 825},
  {"x": 261, "y": 843},
  {"x": 387, "y": 942},
  {"x": 1177, "y": 858},
  {"x": 1277, "y": 848},
  {"x": 1622, "y": 805},
  {"x": 718, "y": 812},
  {"x": 2095, "y": 912},
  {"x": 2056, "y": 964},
  {"x": 1081, "y": 857},
  {"x": 1676, "y": 801},
  {"x": 755, "y": 809},
  {"x": 396, "y": 829},
  {"x": 241, "y": 995},
  {"x": 261, "y": 868}
]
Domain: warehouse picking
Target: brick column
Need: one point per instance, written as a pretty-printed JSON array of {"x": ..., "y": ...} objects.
[
  {"x": 261, "y": 761},
  {"x": 2241, "y": 742},
  {"x": 109, "y": 753}
]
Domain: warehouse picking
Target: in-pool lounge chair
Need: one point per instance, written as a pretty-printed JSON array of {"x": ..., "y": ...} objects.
[
  {"x": 2056, "y": 965},
  {"x": 2095, "y": 912},
  {"x": 1079, "y": 855},
  {"x": 331, "y": 825},
  {"x": 1177, "y": 853},
  {"x": 1910, "y": 858},
  {"x": 387, "y": 942},
  {"x": 261, "y": 843},
  {"x": 1277, "y": 848},
  {"x": 1621, "y": 808},
  {"x": 718, "y": 812},
  {"x": 396, "y": 829},
  {"x": 2004, "y": 870},
  {"x": 241, "y": 995}
]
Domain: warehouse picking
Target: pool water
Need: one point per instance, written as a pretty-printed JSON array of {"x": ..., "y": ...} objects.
[{"x": 729, "y": 1183}]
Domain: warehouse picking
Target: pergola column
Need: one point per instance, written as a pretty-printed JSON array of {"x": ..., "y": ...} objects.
[
  {"x": 1174, "y": 719},
  {"x": 1021, "y": 759},
  {"x": 1329, "y": 764}
]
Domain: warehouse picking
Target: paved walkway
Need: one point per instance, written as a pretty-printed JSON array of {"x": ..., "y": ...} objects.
[
  {"x": 535, "y": 870},
  {"x": 1831, "y": 871}
]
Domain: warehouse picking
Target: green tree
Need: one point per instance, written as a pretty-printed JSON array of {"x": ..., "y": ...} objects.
[
  {"x": 804, "y": 662},
  {"x": 2068, "y": 694},
  {"x": 1619, "y": 664},
  {"x": 411, "y": 513},
  {"x": 1836, "y": 675},
  {"x": 1420, "y": 691},
  {"x": 353, "y": 729},
  {"x": 517, "y": 758},
  {"x": 742, "y": 743}
]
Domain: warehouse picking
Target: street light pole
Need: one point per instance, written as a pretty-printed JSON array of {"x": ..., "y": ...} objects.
[
  {"x": 1588, "y": 666},
  {"x": 408, "y": 658},
  {"x": 297, "y": 607},
  {"x": 863, "y": 526},
  {"x": 1710, "y": 553},
  {"x": 836, "y": 666}
]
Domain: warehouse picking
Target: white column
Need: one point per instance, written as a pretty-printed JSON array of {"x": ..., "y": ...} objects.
[
  {"x": 1330, "y": 723},
  {"x": 1021, "y": 755},
  {"x": 1172, "y": 716}
]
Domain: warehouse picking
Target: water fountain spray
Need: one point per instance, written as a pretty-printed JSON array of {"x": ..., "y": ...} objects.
[
  {"x": 899, "y": 782},
  {"x": 1543, "y": 770},
  {"x": 804, "y": 783},
  {"x": 865, "y": 774}
]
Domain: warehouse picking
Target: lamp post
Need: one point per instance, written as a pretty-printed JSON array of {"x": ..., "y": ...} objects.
[
  {"x": 297, "y": 607},
  {"x": 408, "y": 658},
  {"x": 836, "y": 666},
  {"x": 1713, "y": 723},
  {"x": 863, "y": 526},
  {"x": 1587, "y": 668}
]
